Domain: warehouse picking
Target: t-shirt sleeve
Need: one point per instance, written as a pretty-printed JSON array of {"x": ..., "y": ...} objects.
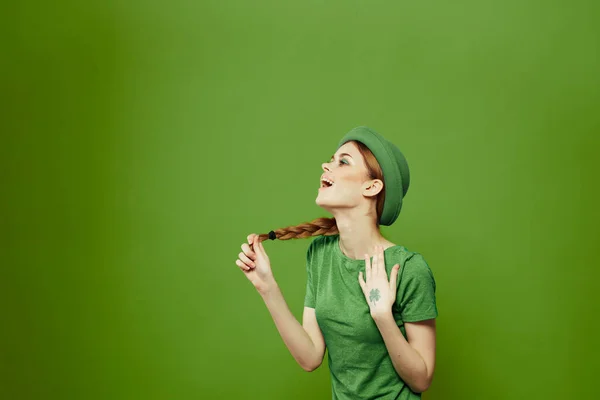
[
  {"x": 309, "y": 298},
  {"x": 416, "y": 291}
]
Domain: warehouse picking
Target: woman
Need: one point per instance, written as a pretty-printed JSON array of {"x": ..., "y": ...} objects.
[{"x": 379, "y": 333}]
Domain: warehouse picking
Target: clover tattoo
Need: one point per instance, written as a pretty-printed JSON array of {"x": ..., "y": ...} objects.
[{"x": 374, "y": 296}]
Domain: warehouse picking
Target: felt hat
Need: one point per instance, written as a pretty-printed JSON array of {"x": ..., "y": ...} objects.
[{"x": 396, "y": 175}]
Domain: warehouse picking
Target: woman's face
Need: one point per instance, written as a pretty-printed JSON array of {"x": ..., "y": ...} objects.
[{"x": 345, "y": 180}]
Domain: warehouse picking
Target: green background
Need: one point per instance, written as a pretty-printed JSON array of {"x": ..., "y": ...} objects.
[{"x": 142, "y": 142}]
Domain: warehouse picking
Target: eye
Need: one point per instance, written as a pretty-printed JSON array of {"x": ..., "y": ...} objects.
[{"x": 342, "y": 161}]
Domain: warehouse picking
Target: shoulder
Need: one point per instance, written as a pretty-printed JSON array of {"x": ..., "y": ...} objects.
[
  {"x": 321, "y": 243},
  {"x": 318, "y": 248},
  {"x": 412, "y": 263},
  {"x": 402, "y": 255}
]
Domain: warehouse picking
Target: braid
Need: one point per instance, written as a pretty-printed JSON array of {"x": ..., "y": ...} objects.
[{"x": 317, "y": 227}]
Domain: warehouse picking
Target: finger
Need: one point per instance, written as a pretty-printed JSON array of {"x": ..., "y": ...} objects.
[
  {"x": 362, "y": 282},
  {"x": 250, "y": 237},
  {"x": 248, "y": 251},
  {"x": 251, "y": 254},
  {"x": 242, "y": 266},
  {"x": 246, "y": 260},
  {"x": 367, "y": 267},
  {"x": 393, "y": 277},
  {"x": 257, "y": 246},
  {"x": 381, "y": 259},
  {"x": 375, "y": 265},
  {"x": 248, "y": 263},
  {"x": 259, "y": 243}
]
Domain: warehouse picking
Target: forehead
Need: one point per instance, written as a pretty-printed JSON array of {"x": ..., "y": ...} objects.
[{"x": 350, "y": 148}]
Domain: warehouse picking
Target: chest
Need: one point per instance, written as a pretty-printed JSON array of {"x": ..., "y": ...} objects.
[{"x": 342, "y": 310}]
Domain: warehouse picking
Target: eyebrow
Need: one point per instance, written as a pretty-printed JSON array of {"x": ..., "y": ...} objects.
[{"x": 341, "y": 155}]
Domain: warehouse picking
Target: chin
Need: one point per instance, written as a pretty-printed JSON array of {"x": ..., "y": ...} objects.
[
  {"x": 325, "y": 204},
  {"x": 320, "y": 202}
]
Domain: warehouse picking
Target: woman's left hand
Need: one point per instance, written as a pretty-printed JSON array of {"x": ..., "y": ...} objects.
[{"x": 379, "y": 292}]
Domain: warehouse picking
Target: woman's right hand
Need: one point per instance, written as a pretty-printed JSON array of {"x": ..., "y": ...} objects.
[{"x": 254, "y": 262}]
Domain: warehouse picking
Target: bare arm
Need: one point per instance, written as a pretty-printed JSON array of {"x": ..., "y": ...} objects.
[
  {"x": 414, "y": 357},
  {"x": 305, "y": 342}
]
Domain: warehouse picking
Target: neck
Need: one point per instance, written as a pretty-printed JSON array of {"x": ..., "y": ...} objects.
[{"x": 358, "y": 235}]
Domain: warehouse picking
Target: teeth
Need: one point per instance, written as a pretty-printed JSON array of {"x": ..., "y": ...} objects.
[{"x": 328, "y": 181}]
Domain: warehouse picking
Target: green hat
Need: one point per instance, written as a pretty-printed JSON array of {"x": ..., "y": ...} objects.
[{"x": 396, "y": 176}]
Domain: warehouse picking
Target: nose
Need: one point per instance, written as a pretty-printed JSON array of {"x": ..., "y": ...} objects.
[{"x": 325, "y": 167}]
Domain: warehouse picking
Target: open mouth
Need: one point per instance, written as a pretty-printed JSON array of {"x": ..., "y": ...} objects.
[{"x": 325, "y": 183}]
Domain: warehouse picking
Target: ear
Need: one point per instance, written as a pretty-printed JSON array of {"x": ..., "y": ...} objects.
[{"x": 372, "y": 188}]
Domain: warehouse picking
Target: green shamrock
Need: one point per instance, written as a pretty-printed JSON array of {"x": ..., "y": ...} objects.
[{"x": 374, "y": 296}]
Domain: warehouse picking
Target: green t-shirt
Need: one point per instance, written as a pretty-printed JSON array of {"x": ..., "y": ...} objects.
[{"x": 359, "y": 363}]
